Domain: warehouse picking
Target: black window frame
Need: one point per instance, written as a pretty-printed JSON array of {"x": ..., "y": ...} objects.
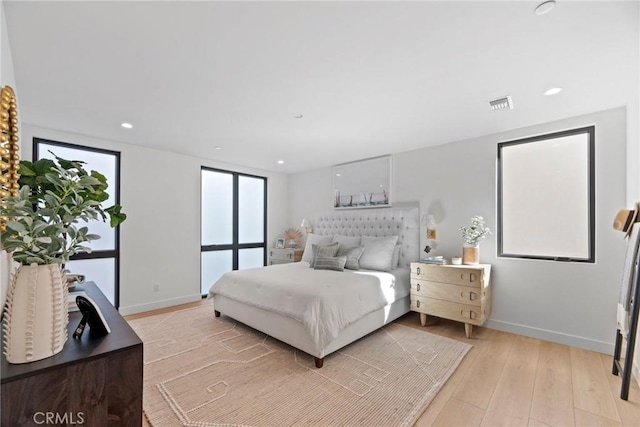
[
  {"x": 235, "y": 247},
  {"x": 96, "y": 254},
  {"x": 590, "y": 131}
]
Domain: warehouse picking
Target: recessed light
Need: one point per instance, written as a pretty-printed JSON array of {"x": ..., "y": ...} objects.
[
  {"x": 280, "y": 162},
  {"x": 545, "y": 7},
  {"x": 298, "y": 116},
  {"x": 553, "y": 91},
  {"x": 126, "y": 125},
  {"x": 217, "y": 147}
]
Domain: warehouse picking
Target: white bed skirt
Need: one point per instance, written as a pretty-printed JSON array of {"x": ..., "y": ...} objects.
[{"x": 294, "y": 333}]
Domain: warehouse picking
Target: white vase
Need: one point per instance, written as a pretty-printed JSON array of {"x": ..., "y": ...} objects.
[
  {"x": 36, "y": 316},
  {"x": 470, "y": 254}
]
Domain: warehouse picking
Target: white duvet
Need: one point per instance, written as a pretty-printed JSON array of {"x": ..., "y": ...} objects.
[{"x": 324, "y": 301}]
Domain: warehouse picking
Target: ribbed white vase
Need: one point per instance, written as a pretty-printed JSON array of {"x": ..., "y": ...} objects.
[{"x": 36, "y": 316}]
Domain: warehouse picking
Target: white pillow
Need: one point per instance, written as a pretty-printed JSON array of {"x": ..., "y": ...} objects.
[
  {"x": 378, "y": 252},
  {"x": 347, "y": 241},
  {"x": 314, "y": 239},
  {"x": 353, "y": 255}
]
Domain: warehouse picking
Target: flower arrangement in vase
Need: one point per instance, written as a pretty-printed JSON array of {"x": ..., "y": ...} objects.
[{"x": 471, "y": 237}]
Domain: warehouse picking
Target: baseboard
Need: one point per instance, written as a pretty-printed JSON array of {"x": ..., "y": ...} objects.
[
  {"x": 139, "y": 308},
  {"x": 553, "y": 336}
]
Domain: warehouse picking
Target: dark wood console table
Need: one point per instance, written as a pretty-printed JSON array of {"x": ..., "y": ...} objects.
[{"x": 93, "y": 381}]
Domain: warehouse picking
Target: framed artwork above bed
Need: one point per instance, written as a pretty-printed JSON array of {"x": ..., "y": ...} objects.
[{"x": 362, "y": 184}]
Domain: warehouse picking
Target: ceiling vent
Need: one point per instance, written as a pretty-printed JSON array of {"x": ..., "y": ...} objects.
[{"x": 504, "y": 103}]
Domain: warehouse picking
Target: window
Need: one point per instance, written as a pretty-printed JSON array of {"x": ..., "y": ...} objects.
[
  {"x": 102, "y": 265},
  {"x": 233, "y": 223},
  {"x": 546, "y": 196}
]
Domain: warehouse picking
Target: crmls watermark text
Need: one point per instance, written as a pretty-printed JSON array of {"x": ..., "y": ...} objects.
[{"x": 53, "y": 418}]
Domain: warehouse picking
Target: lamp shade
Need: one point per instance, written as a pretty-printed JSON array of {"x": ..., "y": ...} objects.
[
  {"x": 428, "y": 220},
  {"x": 306, "y": 224}
]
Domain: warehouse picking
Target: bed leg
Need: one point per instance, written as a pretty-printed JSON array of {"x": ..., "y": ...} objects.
[
  {"x": 319, "y": 362},
  {"x": 216, "y": 313}
]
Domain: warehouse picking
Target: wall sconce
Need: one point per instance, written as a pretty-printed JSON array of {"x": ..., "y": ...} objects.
[
  {"x": 430, "y": 224},
  {"x": 306, "y": 224}
]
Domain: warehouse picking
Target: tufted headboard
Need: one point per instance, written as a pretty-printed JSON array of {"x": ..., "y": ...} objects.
[{"x": 402, "y": 221}]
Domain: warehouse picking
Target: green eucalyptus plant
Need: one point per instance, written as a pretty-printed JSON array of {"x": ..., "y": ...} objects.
[
  {"x": 474, "y": 234},
  {"x": 44, "y": 222}
]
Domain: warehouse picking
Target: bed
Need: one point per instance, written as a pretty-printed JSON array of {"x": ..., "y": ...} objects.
[{"x": 321, "y": 311}]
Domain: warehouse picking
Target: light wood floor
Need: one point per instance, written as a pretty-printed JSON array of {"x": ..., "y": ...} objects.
[{"x": 511, "y": 380}]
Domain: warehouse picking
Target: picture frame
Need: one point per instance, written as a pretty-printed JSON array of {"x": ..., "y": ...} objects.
[
  {"x": 363, "y": 183},
  {"x": 280, "y": 243}
]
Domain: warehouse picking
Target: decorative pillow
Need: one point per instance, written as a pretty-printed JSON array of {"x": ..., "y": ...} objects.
[
  {"x": 395, "y": 261},
  {"x": 353, "y": 256},
  {"x": 335, "y": 263},
  {"x": 378, "y": 252},
  {"x": 330, "y": 250},
  {"x": 314, "y": 239},
  {"x": 347, "y": 241}
]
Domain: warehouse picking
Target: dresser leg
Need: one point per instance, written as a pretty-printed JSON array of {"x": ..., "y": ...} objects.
[
  {"x": 423, "y": 319},
  {"x": 468, "y": 327}
]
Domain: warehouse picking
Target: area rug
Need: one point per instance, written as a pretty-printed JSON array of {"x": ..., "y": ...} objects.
[{"x": 204, "y": 371}]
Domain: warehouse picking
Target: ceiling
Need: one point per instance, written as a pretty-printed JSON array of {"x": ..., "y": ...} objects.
[{"x": 369, "y": 78}]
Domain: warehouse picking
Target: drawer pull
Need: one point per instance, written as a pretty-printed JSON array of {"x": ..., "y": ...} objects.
[
  {"x": 271, "y": 253},
  {"x": 472, "y": 277},
  {"x": 418, "y": 271},
  {"x": 472, "y": 295},
  {"x": 289, "y": 256},
  {"x": 471, "y": 314},
  {"x": 418, "y": 303},
  {"x": 418, "y": 287}
]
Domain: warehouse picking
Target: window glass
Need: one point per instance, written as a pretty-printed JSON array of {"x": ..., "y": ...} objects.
[
  {"x": 99, "y": 270},
  {"x": 233, "y": 223},
  {"x": 250, "y": 209},
  {"x": 213, "y": 265},
  {"x": 250, "y": 258},
  {"x": 217, "y": 208},
  {"x": 100, "y": 265},
  {"x": 102, "y": 163},
  {"x": 546, "y": 197}
]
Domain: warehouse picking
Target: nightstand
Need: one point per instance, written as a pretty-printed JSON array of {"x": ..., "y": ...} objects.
[
  {"x": 284, "y": 255},
  {"x": 455, "y": 292}
]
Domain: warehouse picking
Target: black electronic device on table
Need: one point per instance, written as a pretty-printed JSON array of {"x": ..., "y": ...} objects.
[{"x": 92, "y": 316}]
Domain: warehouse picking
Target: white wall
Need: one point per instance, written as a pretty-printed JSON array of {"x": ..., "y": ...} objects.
[
  {"x": 571, "y": 303},
  {"x": 160, "y": 240}
]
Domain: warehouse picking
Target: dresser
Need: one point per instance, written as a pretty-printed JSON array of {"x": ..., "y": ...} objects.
[
  {"x": 455, "y": 292},
  {"x": 94, "y": 381},
  {"x": 284, "y": 255}
]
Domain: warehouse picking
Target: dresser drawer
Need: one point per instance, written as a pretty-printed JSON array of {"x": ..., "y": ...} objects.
[
  {"x": 473, "y": 315},
  {"x": 462, "y": 276},
  {"x": 273, "y": 261},
  {"x": 454, "y": 293},
  {"x": 285, "y": 255}
]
